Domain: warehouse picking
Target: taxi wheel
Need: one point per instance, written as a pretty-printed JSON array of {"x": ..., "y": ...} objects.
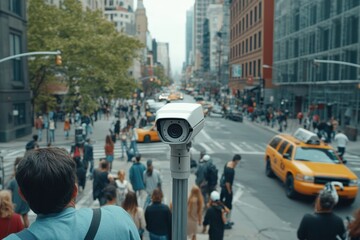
[
  {"x": 268, "y": 171},
  {"x": 289, "y": 187},
  {"x": 147, "y": 139}
]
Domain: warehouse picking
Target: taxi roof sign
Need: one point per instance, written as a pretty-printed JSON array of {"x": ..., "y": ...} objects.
[{"x": 306, "y": 136}]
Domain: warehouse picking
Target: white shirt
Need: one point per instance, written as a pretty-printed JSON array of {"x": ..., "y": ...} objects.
[{"x": 341, "y": 140}]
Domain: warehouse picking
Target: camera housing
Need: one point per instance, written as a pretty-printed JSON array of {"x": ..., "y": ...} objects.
[{"x": 179, "y": 123}]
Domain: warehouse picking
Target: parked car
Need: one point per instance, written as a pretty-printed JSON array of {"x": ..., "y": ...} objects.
[
  {"x": 234, "y": 115},
  {"x": 305, "y": 164}
]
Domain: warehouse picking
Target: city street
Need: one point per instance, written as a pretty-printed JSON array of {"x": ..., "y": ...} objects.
[{"x": 258, "y": 200}]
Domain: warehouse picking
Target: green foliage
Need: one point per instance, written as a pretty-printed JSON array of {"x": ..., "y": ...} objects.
[{"x": 95, "y": 57}]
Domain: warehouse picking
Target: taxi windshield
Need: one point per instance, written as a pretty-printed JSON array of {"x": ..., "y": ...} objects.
[{"x": 316, "y": 155}]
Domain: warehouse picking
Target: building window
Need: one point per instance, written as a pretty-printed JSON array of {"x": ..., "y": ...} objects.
[
  {"x": 242, "y": 70},
  {"x": 260, "y": 10},
  {"x": 246, "y": 69},
  {"x": 243, "y": 24},
  {"x": 259, "y": 67},
  {"x": 255, "y": 41},
  {"x": 247, "y": 21},
  {"x": 15, "y": 48},
  {"x": 242, "y": 47},
  {"x": 254, "y": 68},
  {"x": 251, "y": 44},
  {"x": 255, "y": 15},
  {"x": 19, "y": 114},
  {"x": 246, "y": 46},
  {"x": 15, "y": 6},
  {"x": 259, "y": 39},
  {"x": 250, "y": 68},
  {"x": 251, "y": 18}
]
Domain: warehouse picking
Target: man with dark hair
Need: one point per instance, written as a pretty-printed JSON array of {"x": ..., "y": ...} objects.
[
  {"x": 226, "y": 194},
  {"x": 32, "y": 144},
  {"x": 323, "y": 223},
  {"x": 102, "y": 178},
  {"x": 47, "y": 181}
]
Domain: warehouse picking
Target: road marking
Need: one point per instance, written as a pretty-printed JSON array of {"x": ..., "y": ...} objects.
[
  {"x": 205, "y": 134},
  {"x": 219, "y": 145},
  {"x": 207, "y": 149},
  {"x": 259, "y": 147},
  {"x": 15, "y": 153},
  {"x": 239, "y": 149},
  {"x": 355, "y": 169}
]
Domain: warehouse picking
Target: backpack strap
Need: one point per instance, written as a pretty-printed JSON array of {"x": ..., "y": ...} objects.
[
  {"x": 94, "y": 225},
  {"x": 26, "y": 235}
]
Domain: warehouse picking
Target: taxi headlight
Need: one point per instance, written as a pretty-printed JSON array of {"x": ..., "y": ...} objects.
[
  {"x": 304, "y": 178},
  {"x": 353, "y": 182}
]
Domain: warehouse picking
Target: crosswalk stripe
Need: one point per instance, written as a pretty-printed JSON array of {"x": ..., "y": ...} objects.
[
  {"x": 239, "y": 149},
  {"x": 208, "y": 150},
  {"x": 259, "y": 147},
  {"x": 219, "y": 145}
]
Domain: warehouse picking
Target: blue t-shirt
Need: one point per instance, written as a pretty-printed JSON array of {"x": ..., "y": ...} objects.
[
  {"x": 136, "y": 176},
  {"x": 73, "y": 224}
]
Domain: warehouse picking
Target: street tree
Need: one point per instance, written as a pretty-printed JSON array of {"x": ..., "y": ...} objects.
[{"x": 95, "y": 57}]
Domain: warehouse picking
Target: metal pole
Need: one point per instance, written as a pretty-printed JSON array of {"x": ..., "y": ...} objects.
[
  {"x": 180, "y": 172},
  {"x": 29, "y": 54}
]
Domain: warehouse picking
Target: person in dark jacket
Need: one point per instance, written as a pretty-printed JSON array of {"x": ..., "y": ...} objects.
[
  {"x": 102, "y": 178},
  {"x": 158, "y": 218},
  {"x": 117, "y": 129},
  {"x": 323, "y": 223},
  {"x": 215, "y": 217}
]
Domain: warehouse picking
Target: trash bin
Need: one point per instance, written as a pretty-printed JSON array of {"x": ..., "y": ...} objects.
[
  {"x": 351, "y": 132},
  {"x": 78, "y": 135}
]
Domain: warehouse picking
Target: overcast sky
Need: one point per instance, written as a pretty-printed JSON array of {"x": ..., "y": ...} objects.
[{"x": 166, "y": 23}]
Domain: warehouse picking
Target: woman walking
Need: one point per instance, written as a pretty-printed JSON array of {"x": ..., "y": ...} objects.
[
  {"x": 109, "y": 150},
  {"x": 123, "y": 187},
  {"x": 195, "y": 206},
  {"x": 10, "y": 222},
  {"x": 130, "y": 205}
]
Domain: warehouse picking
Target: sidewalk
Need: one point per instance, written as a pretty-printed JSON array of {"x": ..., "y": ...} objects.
[{"x": 353, "y": 147}]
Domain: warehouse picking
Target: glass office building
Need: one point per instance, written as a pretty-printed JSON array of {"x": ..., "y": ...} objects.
[{"x": 305, "y": 30}]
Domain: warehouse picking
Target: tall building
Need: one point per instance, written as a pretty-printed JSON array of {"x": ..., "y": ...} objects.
[
  {"x": 141, "y": 22},
  {"x": 200, "y": 8},
  {"x": 189, "y": 36},
  {"x": 163, "y": 56},
  {"x": 251, "y": 47},
  {"x": 318, "y": 29},
  {"x": 122, "y": 15},
  {"x": 15, "y": 98},
  {"x": 215, "y": 16},
  {"x": 225, "y": 43}
]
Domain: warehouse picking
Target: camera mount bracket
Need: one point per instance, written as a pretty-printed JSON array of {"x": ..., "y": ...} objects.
[{"x": 180, "y": 161}]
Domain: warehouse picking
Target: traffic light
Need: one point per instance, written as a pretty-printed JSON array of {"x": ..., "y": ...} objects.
[{"x": 58, "y": 60}]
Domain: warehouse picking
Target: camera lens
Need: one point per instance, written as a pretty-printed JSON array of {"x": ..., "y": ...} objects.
[{"x": 175, "y": 130}]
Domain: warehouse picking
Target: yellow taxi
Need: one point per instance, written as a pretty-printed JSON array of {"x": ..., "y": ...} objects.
[
  {"x": 305, "y": 164},
  {"x": 147, "y": 134}
]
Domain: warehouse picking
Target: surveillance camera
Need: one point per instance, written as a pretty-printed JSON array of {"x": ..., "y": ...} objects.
[{"x": 179, "y": 123}]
